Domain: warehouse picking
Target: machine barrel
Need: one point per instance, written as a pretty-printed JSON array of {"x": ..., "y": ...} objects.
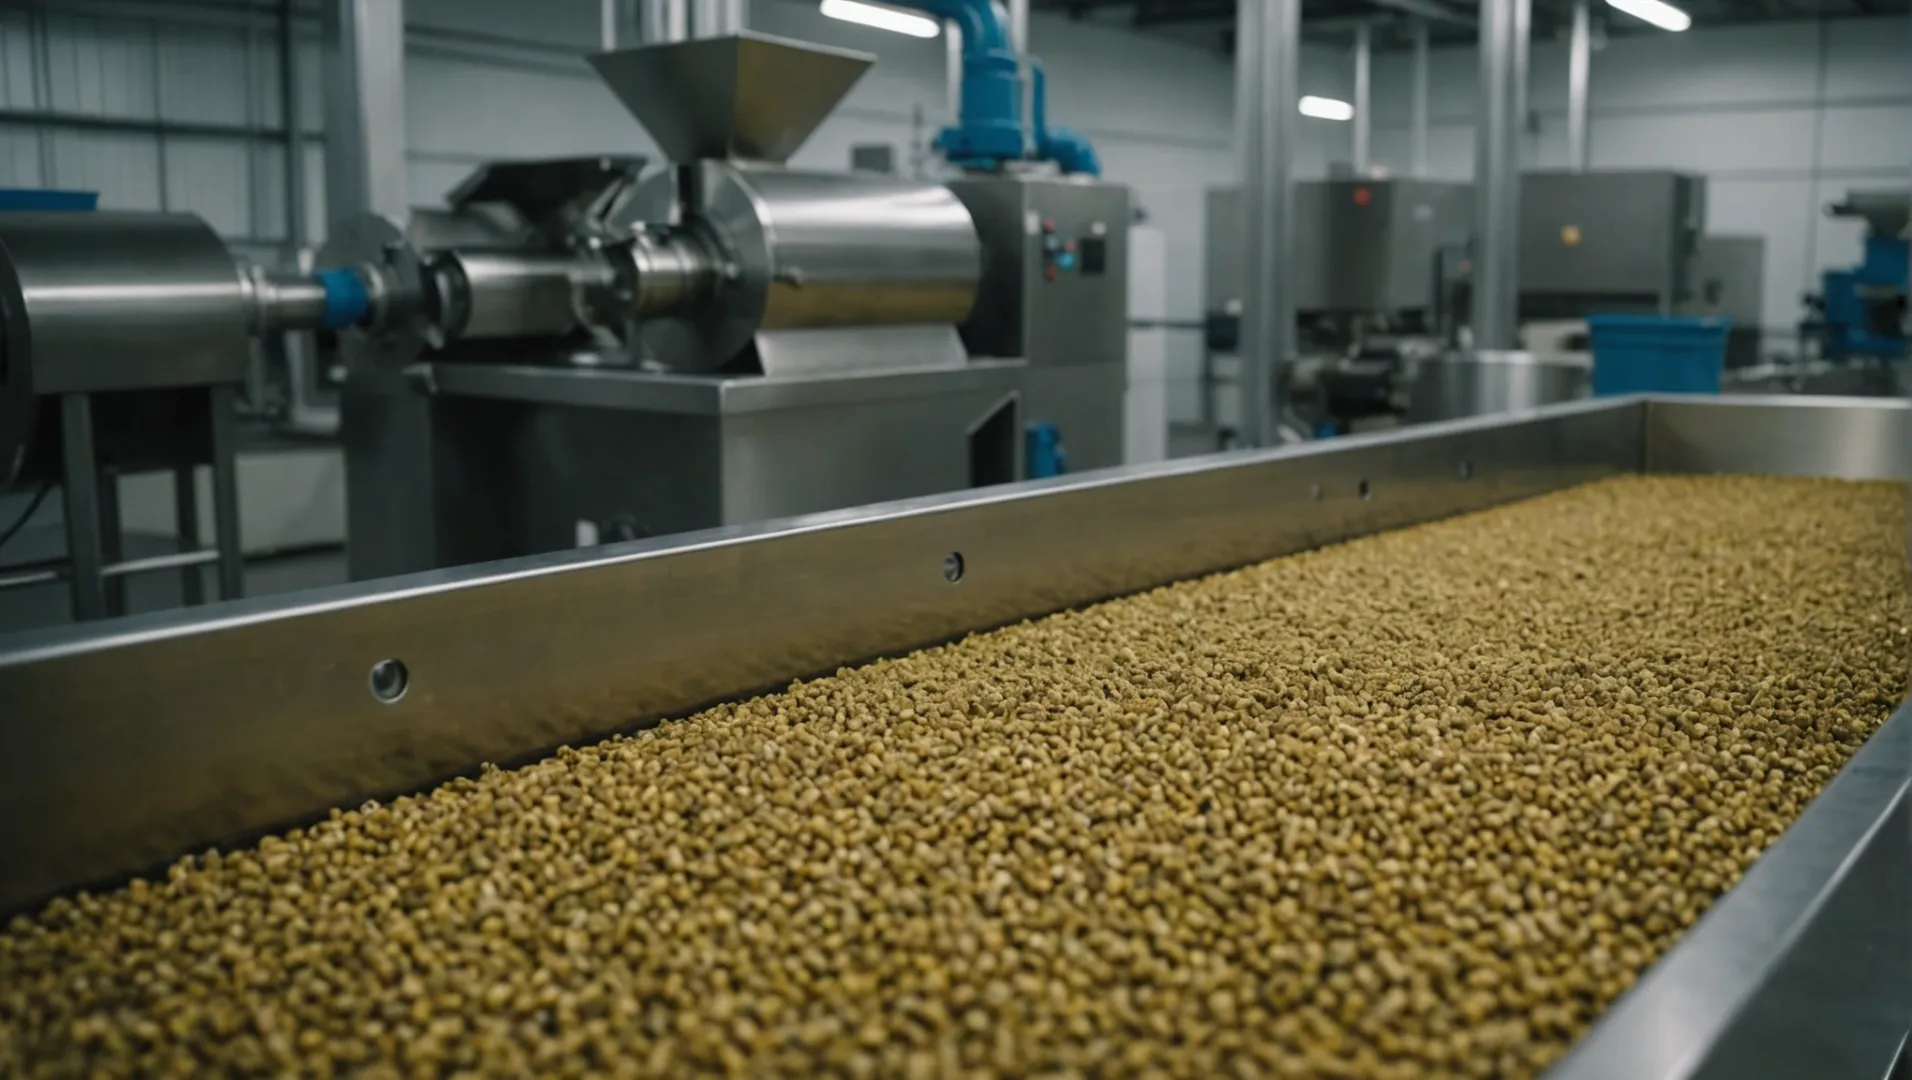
[
  {"x": 856, "y": 251},
  {"x": 120, "y": 301}
]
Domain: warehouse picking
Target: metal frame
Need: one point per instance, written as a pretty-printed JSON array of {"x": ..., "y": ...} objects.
[
  {"x": 95, "y": 566},
  {"x": 171, "y": 732}
]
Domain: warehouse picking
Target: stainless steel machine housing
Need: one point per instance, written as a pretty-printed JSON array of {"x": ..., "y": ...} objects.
[
  {"x": 1054, "y": 293},
  {"x": 1728, "y": 278},
  {"x": 1612, "y": 241},
  {"x": 1360, "y": 246},
  {"x": 727, "y": 340}
]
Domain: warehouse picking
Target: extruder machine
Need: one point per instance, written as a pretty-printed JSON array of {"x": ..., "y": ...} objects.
[{"x": 574, "y": 351}]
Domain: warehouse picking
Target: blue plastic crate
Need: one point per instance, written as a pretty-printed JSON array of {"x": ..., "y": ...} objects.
[
  {"x": 41, "y": 199},
  {"x": 1666, "y": 354}
]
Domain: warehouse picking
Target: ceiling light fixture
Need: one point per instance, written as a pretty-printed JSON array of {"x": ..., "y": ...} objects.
[
  {"x": 1325, "y": 108},
  {"x": 1658, "y": 12},
  {"x": 882, "y": 18}
]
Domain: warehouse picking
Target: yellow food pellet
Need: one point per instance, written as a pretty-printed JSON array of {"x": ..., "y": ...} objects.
[{"x": 1419, "y": 804}]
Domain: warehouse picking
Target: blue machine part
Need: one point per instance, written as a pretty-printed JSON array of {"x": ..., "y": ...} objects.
[
  {"x": 346, "y": 299},
  {"x": 1854, "y": 325},
  {"x": 1070, "y": 151},
  {"x": 1043, "y": 451},
  {"x": 989, "y": 130},
  {"x": 41, "y": 199}
]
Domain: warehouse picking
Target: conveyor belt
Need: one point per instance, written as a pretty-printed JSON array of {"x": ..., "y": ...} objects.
[{"x": 1423, "y": 803}]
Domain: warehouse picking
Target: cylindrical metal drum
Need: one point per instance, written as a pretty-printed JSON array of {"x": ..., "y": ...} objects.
[
  {"x": 497, "y": 294},
  {"x": 112, "y": 301},
  {"x": 119, "y": 301},
  {"x": 810, "y": 250},
  {"x": 1462, "y": 384}
]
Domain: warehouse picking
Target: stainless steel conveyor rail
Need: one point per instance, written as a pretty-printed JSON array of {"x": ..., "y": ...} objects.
[{"x": 176, "y": 731}]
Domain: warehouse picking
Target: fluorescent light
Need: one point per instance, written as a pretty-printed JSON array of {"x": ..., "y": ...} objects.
[
  {"x": 1658, "y": 12},
  {"x": 883, "y": 18},
  {"x": 1325, "y": 108}
]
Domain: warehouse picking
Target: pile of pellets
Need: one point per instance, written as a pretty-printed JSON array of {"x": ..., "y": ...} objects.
[{"x": 1419, "y": 804}]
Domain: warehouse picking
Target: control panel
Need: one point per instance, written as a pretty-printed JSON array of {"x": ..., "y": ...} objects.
[{"x": 1086, "y": 254}]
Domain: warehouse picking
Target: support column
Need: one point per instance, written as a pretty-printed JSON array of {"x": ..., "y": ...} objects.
[
  {"x": 718, "y": 18},
  {"x": 1019, "y": 44},
  {"x": 1579, "y": 65},
  {"x": 79, "y": 490},
  {"x": 1267, "y": 52},
  {"x": 365, "y": 108},
  {"x": 1363, "y": 99},
  {"x": 1499, "y": 119},
  {"x": 660, "y": 22},
  {"x": 1417, "y": 104}
]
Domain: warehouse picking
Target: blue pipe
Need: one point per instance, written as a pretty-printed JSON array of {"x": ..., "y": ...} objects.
[
  {"x": 989, "y": 130},
  {"x": 1059, "y": 144}
]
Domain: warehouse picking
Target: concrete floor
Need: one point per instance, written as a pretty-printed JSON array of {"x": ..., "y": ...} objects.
[{"x": 49, "y": 605}]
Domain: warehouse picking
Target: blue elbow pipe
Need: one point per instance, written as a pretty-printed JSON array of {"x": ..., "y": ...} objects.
[
  {"x": 1070, "y": 151},
  {"x": 989, "y": 131}
]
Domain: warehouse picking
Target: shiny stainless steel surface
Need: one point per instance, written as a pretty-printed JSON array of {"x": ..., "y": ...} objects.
[
  {"x": 171, "y": 732},
  {"x": 1267, "y": 134},
  {"x": 850, "y": 349},
  {"x": 281, "y": 300},
  {"x": 671, "y": 272},
  {"x": 819, "y": 250},
  {"x": 119, "y": 301},
  {"x": 363, "y": 74},
  {"x": 1462, "y": 384},
  {"x": 1071, "y": 327},
  {"x": 1501, "y": 112},
  {"x": 1857, "y": 438},
  {"x": 707, "y": 396},
  {"x": 492, "y": 294},
  {"x": 746, "y": 96},
  {"x": 481, "y": 461},
  {"x": 1804, "y": 969}
]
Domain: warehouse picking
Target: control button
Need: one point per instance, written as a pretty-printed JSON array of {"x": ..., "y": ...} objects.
[
  {"x": 1068, "y": 245},
  {"x": 1049, "y": 272},
  {"x": 1049, "y": 225},
  {"x": 1051, "y": 243},
  {"x": 1066, "y": 260}
]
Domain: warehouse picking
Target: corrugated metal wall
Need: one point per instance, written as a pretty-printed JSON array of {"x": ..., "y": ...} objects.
[{"x": 156, "y": 106}]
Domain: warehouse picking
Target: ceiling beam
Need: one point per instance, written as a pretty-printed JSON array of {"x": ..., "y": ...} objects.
[
  {"x": 1147, "y": 15},
  {"x": 1427, "y": 9}
]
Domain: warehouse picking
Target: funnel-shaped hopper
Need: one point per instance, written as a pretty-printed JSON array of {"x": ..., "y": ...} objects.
[{"x": 747, "y": 96}]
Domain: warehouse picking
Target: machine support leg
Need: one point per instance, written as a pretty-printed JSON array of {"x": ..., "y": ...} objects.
[
  {"x": 192, "y": 586},
  {"x": 80, "y": 492},
  {"x": 112, "y": 539},
  {"x": 225, "y": 492}
]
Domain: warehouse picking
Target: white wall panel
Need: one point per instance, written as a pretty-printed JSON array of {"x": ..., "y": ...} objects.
[
  {"x": 210, "y": 177},
  {"x": 17, "y": 89},
  {"x": 1867, "y": 58},
  {"x": 461, "y": 108},
  {"x": 202, "y": 75},
  {"x": 1661, "y": 72},
  {"x": 1781, "y": 210},
  {"x": 1777, "y": 139},
  {"x": 102, "y": 67},
  {"x": 1868, "y": 137},
  {"x": 20, "y": 158},
  {"x": 124, "y": 169}
]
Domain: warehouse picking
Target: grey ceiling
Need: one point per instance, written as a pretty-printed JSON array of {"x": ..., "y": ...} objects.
[{"x": 1209, "y": 23}]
